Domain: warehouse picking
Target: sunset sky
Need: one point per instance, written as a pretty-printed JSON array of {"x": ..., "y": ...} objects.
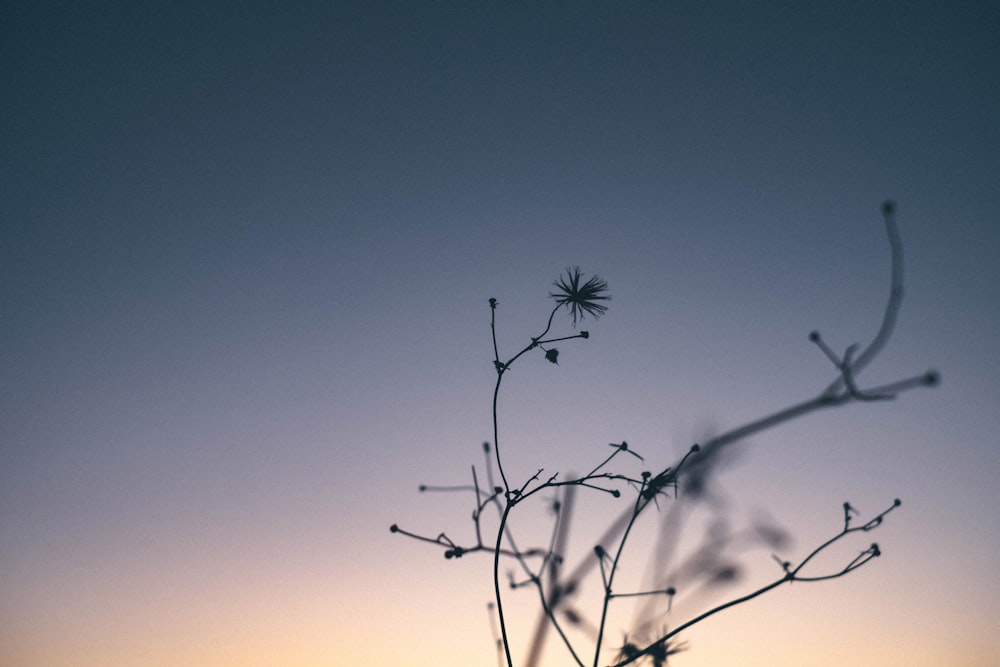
[{"x": 246, "y": 252}]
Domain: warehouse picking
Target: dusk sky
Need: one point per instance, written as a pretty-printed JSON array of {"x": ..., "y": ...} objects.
[{"x": 246, "y": 252}]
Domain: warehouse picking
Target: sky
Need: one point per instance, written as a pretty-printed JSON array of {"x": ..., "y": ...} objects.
[{"x": 246, "y": 254}]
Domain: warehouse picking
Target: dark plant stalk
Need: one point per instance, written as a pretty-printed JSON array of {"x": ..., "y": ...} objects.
[
  {"x": 791, "y": 574},
  {"x": 636, "y": 509},
  {"x": 496, "y": 582},
  {"x": 501, "y": 368}
]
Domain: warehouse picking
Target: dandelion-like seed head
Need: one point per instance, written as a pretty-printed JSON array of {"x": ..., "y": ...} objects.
[{"x": 581, "y": 298}]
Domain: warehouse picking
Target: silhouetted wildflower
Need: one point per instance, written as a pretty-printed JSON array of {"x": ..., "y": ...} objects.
[{"x": 581, "y": 299}]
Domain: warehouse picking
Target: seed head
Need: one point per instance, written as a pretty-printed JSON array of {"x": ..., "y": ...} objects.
[{"x": 581, "y": 299}]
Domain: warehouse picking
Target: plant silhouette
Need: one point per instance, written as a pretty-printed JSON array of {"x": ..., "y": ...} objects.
[{"x": 557, "y": 580}]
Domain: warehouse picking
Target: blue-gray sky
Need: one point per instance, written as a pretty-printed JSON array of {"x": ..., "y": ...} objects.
[{"x": 245, "y": 257}]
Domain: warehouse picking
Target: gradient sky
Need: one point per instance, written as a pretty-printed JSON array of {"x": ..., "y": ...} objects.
[{"x": 245, "y": 258}]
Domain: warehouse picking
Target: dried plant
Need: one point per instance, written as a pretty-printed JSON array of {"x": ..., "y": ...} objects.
[{"x": 545, "y": 569}]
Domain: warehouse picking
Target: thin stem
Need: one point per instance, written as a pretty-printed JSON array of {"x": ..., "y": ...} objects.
[
  {"x": 637, "y": 508},
  {"x": 502, "y": 367},
  {"x": 496, "y": 432},
  {"x": 496, "y": 583},
  {"x": 698, "y": 619}
]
